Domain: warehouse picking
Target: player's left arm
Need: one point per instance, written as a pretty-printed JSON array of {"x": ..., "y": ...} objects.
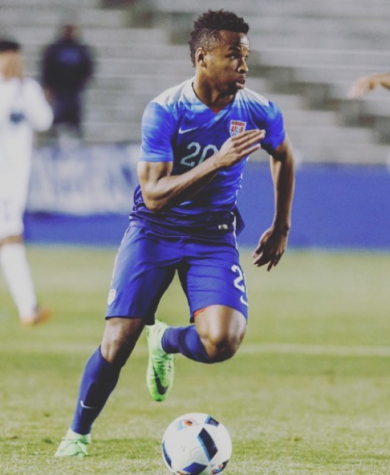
[{"x": 273, "y": 242}]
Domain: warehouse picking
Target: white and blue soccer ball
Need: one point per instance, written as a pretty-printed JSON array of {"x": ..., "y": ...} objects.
[{"x": 196, "y": 444}]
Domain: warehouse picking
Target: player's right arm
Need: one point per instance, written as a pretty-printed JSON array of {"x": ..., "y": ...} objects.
[
  {"x": 162, "y": 190},
  {"x": 36, "y": 108}
]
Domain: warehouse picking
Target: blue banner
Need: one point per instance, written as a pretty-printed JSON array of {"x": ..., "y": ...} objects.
[
  {"x": 85, "y": 197},
  {"x": 335, "y": 206},
  {"x": 83, "y": 180}
]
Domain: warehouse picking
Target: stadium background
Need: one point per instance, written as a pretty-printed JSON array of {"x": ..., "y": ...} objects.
[{"x": 305, "y": 56}]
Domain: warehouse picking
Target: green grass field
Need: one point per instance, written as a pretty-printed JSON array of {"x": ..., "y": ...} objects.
[{"x": 308, "y": 392}]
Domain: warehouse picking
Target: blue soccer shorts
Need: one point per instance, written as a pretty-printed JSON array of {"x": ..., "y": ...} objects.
[{"x": 208, "y": 268}]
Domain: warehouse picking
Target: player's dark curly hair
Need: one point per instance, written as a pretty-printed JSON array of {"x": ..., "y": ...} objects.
[
  {"x": 8, "y": 45},
  {"x": 208, "y": 26}
]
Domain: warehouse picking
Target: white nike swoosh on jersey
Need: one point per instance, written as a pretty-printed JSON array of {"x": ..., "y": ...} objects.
[
  {"x": 184, "y": 131},
  {"x": 86, "y": 407}
]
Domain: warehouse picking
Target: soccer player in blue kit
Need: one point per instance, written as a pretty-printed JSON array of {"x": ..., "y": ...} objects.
[{"x": 196, "y": 140}]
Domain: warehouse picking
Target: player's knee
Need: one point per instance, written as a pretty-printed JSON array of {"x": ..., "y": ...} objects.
[
  {"x": 223, "y": 346},
  {"x": 116, "y": 349},
  {"x": 119, "y": 339}
]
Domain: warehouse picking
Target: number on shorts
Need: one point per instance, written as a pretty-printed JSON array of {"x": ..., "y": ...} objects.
[{"x": 239, "y": 283}]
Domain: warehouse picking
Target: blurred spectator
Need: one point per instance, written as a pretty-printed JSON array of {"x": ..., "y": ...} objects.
[
  {"x": 367, "y": 84},
  {"x": 23, "y": 110},
  {"x": 67, "y": 66}
]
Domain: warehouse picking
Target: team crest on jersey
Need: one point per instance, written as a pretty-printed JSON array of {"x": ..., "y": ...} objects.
[
  {"x": 111, "y": 296},
  {"x": 236, "y": 127}
]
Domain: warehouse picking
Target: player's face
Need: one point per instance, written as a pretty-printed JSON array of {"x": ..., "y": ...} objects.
[
  {"x": 11, "y": 64},
  {"x": 227, "y": 62}
]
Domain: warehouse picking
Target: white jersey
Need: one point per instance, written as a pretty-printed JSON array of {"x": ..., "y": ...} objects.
[{"x": 23, "y": 110}]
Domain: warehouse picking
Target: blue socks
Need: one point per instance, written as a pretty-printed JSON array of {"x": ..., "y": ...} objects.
[
  {"x": 100, "y": 377},
  {"x": 98, "y": 382},
  {"x": 185, "y": 340}
]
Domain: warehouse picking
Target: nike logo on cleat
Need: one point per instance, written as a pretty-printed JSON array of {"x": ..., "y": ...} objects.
[{"x": 160, "y": 387}]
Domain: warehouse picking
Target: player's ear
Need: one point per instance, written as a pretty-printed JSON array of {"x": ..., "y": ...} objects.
[{"x": 200, "y": 57}]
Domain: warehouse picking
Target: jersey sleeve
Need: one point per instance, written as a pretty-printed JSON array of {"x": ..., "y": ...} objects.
[
  {"x": 274, "y": 129},
  {"x": 36, "y": 108},
  {"x": 158, "y": 126}
]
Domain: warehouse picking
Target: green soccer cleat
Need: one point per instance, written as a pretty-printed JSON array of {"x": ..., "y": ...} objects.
[
  {"x": 161, "y": 371},
  {"x": 73, "y": 445}
]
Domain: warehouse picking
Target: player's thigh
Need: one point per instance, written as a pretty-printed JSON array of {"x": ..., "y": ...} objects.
[
  {"x": 144, "y": 267},
  {"x": 213, "y": 276}
]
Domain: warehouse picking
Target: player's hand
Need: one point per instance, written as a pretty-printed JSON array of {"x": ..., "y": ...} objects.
[
  {"x": 360, "y": 87},
  {"x": 238, "y": 147},
  {"x": 271, "y": 248}
]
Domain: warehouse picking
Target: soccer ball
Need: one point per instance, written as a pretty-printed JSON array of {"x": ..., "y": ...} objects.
[{"x": 196, "y": 444}]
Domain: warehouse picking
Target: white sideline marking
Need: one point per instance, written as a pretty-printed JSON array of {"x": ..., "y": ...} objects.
[
  {"x": 325, "y": 350},
  {"x": 246, "y": 349}
]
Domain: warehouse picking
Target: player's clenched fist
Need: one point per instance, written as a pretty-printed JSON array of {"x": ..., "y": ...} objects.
[{"x": 238, "y": 147}]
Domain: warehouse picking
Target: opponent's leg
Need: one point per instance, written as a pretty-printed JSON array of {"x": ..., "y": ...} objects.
[
  {"x": 17, "y": 274},
  {"x": 100, "y": 377}
]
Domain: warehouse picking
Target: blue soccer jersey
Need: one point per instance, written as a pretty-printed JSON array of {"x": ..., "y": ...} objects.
[{"x": 177, "y": 127}]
